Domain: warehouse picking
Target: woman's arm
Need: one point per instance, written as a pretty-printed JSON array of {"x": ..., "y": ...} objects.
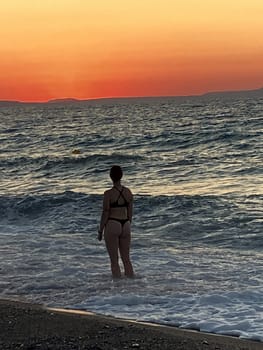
[
  {"x": 130, "y": 207},
  {"x": 104, "y": 215}
]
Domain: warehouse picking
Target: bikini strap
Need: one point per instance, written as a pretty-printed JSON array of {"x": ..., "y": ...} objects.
[
  {"x": 118, "y": 189},
  {"x": 121, "y": 194}
]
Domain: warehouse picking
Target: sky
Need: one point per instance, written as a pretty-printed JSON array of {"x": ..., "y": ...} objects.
[{"x": 118, "y": 48}]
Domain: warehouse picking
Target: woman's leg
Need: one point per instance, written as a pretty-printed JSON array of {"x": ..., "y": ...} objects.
[
  {"x": 124, "y": 244},
  {"x": 111, "y": 236}
]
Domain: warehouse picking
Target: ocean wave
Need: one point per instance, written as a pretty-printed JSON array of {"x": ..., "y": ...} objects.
[
  {"x": 75, "y": 160},
  {"x": 31, "y": 204},
  {"x": 210, "y": 220},
  {"x": 93, "y": 159}
]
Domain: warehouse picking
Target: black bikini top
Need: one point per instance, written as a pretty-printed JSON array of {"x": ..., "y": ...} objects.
[{"x": 116, "y": 204}]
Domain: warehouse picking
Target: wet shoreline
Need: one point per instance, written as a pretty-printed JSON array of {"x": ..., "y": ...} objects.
[{"x": 28, "y": 326}]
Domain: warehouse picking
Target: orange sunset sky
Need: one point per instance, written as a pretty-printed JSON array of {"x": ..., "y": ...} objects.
[{"x": 104, "y": 48}]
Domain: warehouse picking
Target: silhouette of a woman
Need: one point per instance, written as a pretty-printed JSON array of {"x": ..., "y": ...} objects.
[{"x": 116, "y": 223}]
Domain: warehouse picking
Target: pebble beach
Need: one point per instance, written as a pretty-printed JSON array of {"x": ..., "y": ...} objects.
[{"x": 29, "y": 326}]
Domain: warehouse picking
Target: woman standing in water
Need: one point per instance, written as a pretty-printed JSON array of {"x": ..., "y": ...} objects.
[{"x": 116, "y": 223}]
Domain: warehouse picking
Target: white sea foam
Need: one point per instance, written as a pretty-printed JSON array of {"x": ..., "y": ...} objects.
[
  {"x": 206, "y": 312},
  {"x": 191, "y": 287}
]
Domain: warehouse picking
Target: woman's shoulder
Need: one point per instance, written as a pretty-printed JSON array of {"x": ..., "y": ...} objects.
[
  {"x": 108, "y": 192},
  {"x": 127, "y": 192}
]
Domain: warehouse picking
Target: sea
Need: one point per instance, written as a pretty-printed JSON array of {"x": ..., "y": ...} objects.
[{"x": 194, "y": 165}]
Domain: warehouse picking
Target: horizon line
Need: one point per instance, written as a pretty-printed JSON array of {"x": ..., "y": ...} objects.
[{"x": 87, "y": 99}]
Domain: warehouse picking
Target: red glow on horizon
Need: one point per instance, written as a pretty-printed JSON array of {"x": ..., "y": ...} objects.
[{"x": 51, "y": 50}]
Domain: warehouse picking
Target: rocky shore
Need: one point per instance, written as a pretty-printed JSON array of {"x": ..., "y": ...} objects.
[{"x": 25, "y": 326}]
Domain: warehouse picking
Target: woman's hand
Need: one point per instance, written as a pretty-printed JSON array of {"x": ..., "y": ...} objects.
[{"x": 100, "y": 235}]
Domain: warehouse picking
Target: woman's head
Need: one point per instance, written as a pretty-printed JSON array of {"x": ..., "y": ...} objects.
[{"x": 116, "y": 173}]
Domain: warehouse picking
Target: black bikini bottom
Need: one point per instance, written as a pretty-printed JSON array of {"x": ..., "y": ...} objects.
[{"x": 121, "y": 221}]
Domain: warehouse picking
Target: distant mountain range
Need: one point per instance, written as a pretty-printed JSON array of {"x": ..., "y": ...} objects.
[
  {"x": 239, "y": 93},
  {"x": 216, "y": 94}
]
